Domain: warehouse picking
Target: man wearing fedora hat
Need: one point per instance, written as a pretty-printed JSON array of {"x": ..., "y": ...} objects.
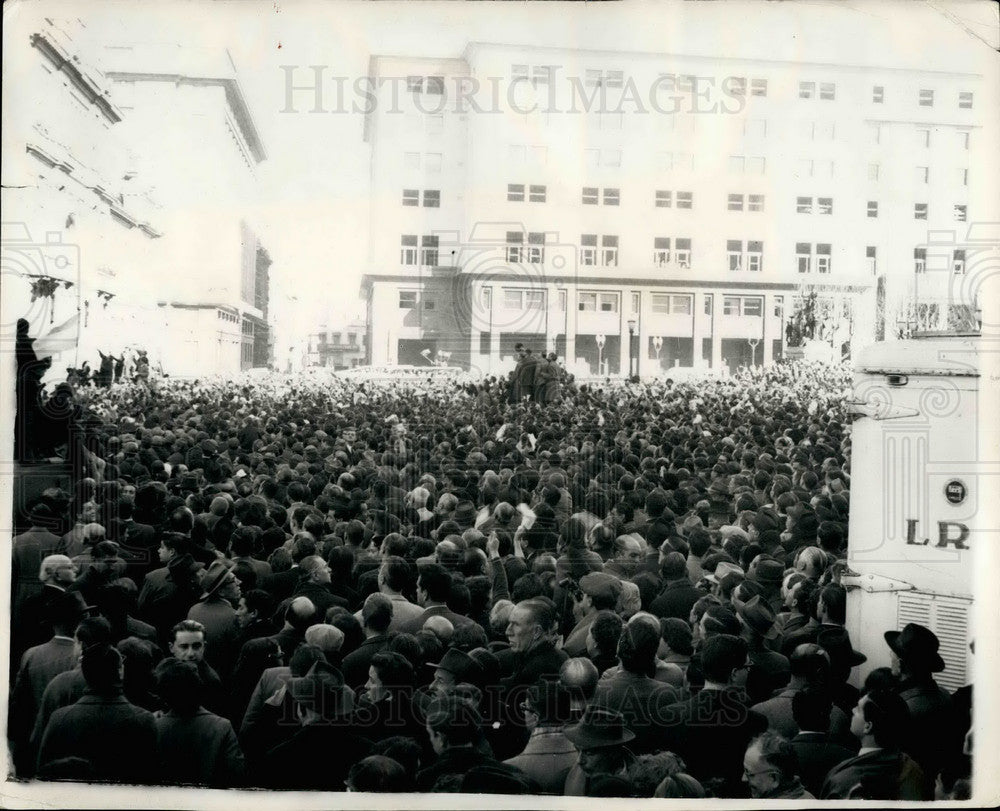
[
  {"x": 769, "y": 670},
  {"x": 933, "y": 736},
  {"x": 600, "y": 737},
  {"x": 843, "y": 659},
  {"x": 216, "y": 611}
]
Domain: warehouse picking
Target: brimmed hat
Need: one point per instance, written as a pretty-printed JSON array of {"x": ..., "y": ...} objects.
[
  {"x": 215, "y": 575},
  {"x": 69, "y": 605},
  {"x": 767, "y": 518},
  {"x": 917, "y": 645},
  {"x": 768, "y": 570},
  {"x": 465, "y": 514},
  {"x": 758, "y": 616},
  {"x": 837, "y": 642},
  {"x": 724, "y": 568},
  {"x": 602, "y": 585},
  {"x": 456, "y": 662},
  {"x": 598, "y": 728}
]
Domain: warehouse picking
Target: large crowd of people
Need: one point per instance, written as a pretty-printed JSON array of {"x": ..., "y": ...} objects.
[{"x": 571, "y": 590}]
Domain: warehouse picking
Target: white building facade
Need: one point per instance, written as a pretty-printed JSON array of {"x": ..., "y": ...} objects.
[{"x": 571, "y": 199}]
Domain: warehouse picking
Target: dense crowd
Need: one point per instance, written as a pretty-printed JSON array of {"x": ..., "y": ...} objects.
[{"x": 319, "y": 584}]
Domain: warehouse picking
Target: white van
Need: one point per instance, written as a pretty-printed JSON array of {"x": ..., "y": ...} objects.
[{"x": 919, "y": 497}]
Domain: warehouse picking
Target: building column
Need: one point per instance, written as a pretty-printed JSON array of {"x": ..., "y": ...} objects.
[
  {"x": 700, "y": 328},
  {"x": 623, "y": 344},
  {"x": 494, "y": 363},
  {"x": 571, "y": 312},
  {"x": 717, "y": 316}
]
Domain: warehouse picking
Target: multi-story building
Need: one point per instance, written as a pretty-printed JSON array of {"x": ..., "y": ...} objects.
[
  {"x": 570, "y": 199},
  {"x": 79, "y": 225},
  {"x": 338, "y": 347},
  {"x": 126, "y": 210},
  {"x": 199, "y": 150}
]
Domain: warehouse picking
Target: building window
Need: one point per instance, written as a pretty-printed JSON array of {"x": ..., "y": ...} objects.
[
  {"x": 432, "y": 162},
  {"x": 411, "y": 197},
  {"x": 825, "y": 205},
  {"x": 708, "y": 304},
  {"x": 415, "y": 84},
  {"x": 878, "y": 94},
  {"x": 873, "y": 208},
  {"x": 435, "y": 85},
  {"x": 755, "y": 166},
  {"x": 429, "y": 250},
  {"x": 518, "y": 72},
  {"x": 680, "y": 305},
  {"x": 758, "y": 87},
  {"x": 738, "y": 85},
  {"x": 589, "y": 196},
  {"x": 921, "y": 174},
  {"x": 822, "y": 258},
  {"x": 512, "y": 299},
  {"x": 536, "y": 248},
  {"x": 609, "y": 251},
  {"x": 735, "y": 202},
  {"x": 611, "y": 158},
  {"x": 873, "y": 170},
  {"x": 827, "y": 91},
  {"x": 407, "y": 300},
  {"x": 960, "y": 213},
  {"x": 515, "y": 192},
  {"x": 779, "y": 306},
  {"x": 428, "y": 305},
  {"x": 608, "y": 302},
  {"x": 536, "y": 194},
  {"x": 965, "y": 100},
  {"x": 534, "y": 299},
  {"x": 682, "y": 252},
  {"x": 411, "y": 160},
  {"x": 562, "y": 301},
  {"x": 664, "y": 199},
  {"x": 919, "y": 260},
  {"x": 963, "y": 140},
  {"x": 336, "y": 336},
  {"x": 660, "y": 303},
  {"x": 635, "y": 303},
  {"x": 803, "y": 256},
  {"x": 958, "y": 261},
  {"x": 755, "y": 256},
  {"x": 408, "y": 250},
  {"x": 734, "y": 253},
  {"x": 685, "y": 199},
  {"x": 587, "y": 302},
  {"x": 588, "y": 249},
  {"x": 753, "y": 305},
  {"x": 737, "y": 164},
  {"x": 926, "y": 98},
  {"x": 486, "y": 299},
  {"x": 875, "y": 133},
  {"x": 920, "y": 211},
  {"x": 923, "y": 137},
  {"x": 611, "y": 197},
  {"x": 803, "y": 205},
  {"x": 962, "y": 177},
  {"x": 807, "y": 90},
  {"x": 432, "y": 198},
  {"x": 756, "y": 202},
  {"x": 870, "y": 257},
  {"x": 515, "y": 246},
  {"x": 435, "y": 124},
  {"x": 661, "y": 251}
]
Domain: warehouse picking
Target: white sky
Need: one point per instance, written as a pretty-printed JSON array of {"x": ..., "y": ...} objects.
[{"x": 315, "y": 181}]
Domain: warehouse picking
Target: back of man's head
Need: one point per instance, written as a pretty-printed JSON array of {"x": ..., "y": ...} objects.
[
  {"x": 301, "y": 613},
  {"x": 721, "y": 655},
  {"x": 376, "y": 614}
]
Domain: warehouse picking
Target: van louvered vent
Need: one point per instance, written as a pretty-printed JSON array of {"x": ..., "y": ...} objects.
[{"x": 948, "y": 618}]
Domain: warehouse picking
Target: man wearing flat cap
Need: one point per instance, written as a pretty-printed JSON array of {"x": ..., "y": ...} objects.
[{"x": 598, "y": 592}]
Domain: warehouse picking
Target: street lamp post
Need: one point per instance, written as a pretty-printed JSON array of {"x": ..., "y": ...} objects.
[
  {"x": 631, "y": 347},
  {"x": 600, "y": 349}
]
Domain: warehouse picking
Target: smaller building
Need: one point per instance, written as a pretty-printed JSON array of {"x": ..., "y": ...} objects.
[{"x": 339, "y": 347}]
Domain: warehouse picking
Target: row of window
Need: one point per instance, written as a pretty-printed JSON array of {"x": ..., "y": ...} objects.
[
  {"x": 336, "y": 339},
  {"x": 922, "y": 136},
  {"x": 957, "y": 260},
  {"x": 431, "y": 197},
  {"x": 735, "y": 85}
]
